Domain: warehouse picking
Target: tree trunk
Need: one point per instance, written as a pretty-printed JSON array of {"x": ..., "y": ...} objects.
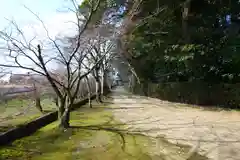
[
  {"x": 98, "y": 92},
  {"x": 185, "y": 16},
  {"x": 61, "y": 113},
  {"x": 38, "y": 104},
  {"x": 61, "y": 109},
  {"x": 104, "y": 84},
  {"x": 130, "y": 87},
  {"x": 98, "y": 85},
  {"x": 132, "y": 82},
  {"x": 64, "y": 119},
  {"x": 64, "y": 112},
  {"x": 89, "y": 99},
  {"x": 56, "y": 101},
  {"x": 89, "y": 93},
  {"x": 37, "y": 99}
]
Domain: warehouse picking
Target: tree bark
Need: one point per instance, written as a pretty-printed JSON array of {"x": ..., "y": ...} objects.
[
  {"x": 132, "y": 82},
  {"x": 97, "y": 84},
  {"x": 61, "y": 109},
  {"x": 185, "y": 17},
  {"x": 98, "y": 92},
  {"x": 65, "y": 118},
  {"x": 38, "y": 104},
  {"x": 104, "y": 84},
  {"x": 63, "y": 113},
  {"x": 37, "y": 99},
  {"x": 89, "y": 93},
  {"x": 56, "y": 101}
]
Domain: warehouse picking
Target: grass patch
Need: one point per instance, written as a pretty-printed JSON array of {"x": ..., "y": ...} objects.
[
  {"x": 20, "y": 111},
  {"x": 95, "y": 135},
  {"x": 21, "y": 120}
]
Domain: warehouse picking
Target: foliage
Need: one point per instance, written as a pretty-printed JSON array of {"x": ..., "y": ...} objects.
[
  {"x": 224, "y": 96},
  {"x": 210, "y": 55},
  {"x": 108, "y": 10}
]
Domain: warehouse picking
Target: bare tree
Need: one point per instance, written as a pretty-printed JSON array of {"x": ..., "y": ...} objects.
[
  {"x": 89, "y": 91},
  {"x": 37, "y": 97},
  {"x": 101, "y": 44},
  {"x": 18, "y": 49},
  {"x": 106, "y": 64}
]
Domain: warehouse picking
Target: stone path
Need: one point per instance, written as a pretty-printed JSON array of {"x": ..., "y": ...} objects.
[{"x": 215, "y": 134}]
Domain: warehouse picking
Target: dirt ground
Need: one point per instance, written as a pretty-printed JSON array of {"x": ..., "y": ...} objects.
[{"x": 215, "y": 134}]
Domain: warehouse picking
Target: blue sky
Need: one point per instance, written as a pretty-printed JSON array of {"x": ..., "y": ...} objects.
[{"x": 50, "y": 11}]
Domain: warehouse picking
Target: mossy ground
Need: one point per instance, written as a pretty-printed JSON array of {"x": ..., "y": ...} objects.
[
  {"x": 19, "y": 111},
  {"x": 94, "y": 135}
]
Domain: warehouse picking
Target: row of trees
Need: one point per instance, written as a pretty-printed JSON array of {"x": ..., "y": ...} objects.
[
  {"x": 175, "y": 41},
  {"x": 179, "y": 41},
  {"x": 80, "y": 59}
]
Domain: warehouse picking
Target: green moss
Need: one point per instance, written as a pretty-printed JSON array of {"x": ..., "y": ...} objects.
[
  {"x": 94, "y": 135},
  {"x": 8, "y": 119}
]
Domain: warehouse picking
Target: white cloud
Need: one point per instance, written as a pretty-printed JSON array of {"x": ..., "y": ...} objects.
[{"x": 59, "y": 24}]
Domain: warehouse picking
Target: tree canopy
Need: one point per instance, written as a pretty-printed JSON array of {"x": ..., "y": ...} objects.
[{"x": 185, "y": 40}]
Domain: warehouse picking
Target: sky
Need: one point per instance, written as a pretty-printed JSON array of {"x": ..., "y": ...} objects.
[
  {"x": 55, "y": 14},
  {"x": 14, "y": 9}
]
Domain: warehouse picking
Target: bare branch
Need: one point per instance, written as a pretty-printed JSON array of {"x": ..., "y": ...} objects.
[{"x": 47, "y": 32}]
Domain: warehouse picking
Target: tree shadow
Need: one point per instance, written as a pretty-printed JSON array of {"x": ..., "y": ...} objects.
[
  {"x": 108, "y": 138},
  {"x": 125, "y": 129},
  {"x": 126, "y": 141},
  {"x": 124, "y": 135}
]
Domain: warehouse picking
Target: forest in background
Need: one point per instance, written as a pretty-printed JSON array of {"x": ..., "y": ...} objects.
[{"x": 188, "y": 50}]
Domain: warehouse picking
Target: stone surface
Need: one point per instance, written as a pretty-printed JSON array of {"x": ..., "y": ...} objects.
[{"x": 215, "y": 134}]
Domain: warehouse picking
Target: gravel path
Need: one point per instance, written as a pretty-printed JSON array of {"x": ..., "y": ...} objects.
[{"x": 215, "y": 134}]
